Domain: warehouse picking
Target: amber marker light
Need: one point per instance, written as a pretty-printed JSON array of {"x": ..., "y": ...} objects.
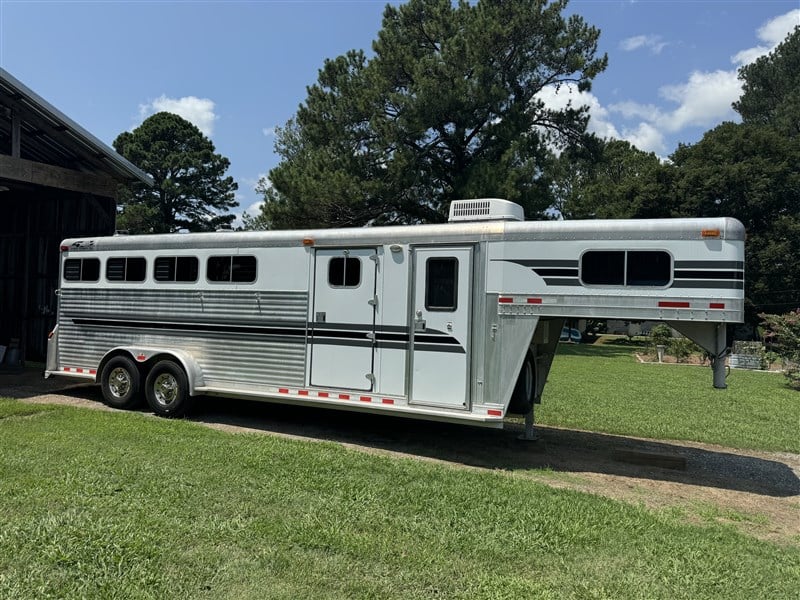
[
  {"x": 308, "y": 242},
  {"x": 710, "y": 233}
]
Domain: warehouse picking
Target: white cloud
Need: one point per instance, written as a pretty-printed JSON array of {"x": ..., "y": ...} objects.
[
  {"x": 703, "y": 101},
  {"x": 653, "y": 42},
  {"x": 646, "y": 137},
  {"x": 771, "y": 33},
  {"x": 268, "y": 131},
  {"x": 198, "y": 111},
  {"x": 567, "y": 95}
]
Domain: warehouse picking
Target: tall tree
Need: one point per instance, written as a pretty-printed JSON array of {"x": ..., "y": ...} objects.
[
  {"x": 610, "y": 180},
  {"x": 771, "y": 88},
  {"x": 190, "y": 188},
  {"x": 447, "y": 108}
]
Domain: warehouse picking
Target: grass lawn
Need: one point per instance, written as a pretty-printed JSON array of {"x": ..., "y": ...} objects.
[
  {"x": 604, "y": 388},
  {"x": 100, "y": 504}
]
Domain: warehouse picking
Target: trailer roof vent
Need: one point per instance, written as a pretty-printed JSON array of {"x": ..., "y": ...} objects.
[{"x": 485, "y": 209}]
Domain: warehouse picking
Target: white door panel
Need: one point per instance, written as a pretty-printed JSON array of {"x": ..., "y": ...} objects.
[
  {"x": 343, "y": 319},
  {"x": 441, "y": 319}
]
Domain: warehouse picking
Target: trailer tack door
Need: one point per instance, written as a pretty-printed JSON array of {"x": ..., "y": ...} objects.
[
  {"x": 440, "y": 323},
  {"x": 343, "y": 319}
]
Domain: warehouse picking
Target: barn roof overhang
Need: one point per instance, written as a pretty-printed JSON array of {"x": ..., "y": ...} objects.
[{"x": 46, "y": 136}]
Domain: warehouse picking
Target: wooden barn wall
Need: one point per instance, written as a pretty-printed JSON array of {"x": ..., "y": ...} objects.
[{"x": 33, "y": 224}]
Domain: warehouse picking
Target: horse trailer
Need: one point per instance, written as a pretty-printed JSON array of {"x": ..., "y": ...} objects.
[{"x": 453, "y": 322}]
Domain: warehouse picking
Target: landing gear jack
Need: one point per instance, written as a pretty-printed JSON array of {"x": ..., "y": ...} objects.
[{"x": 530, "y": 434}]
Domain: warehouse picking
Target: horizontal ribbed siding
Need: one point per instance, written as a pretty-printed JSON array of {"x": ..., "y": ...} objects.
[{"x": 246, "y": 358}]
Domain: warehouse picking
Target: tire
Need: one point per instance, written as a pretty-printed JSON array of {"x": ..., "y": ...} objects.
[
  {"x": 522, "y": 396},
  {"x": 121, "y": 383},
  {"x": 167, "y": 389}
]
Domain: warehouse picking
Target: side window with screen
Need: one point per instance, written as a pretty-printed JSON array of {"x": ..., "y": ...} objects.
[
  {"x": 176, "y": 268},
  {"x": 236, "y": 269},
  {"x": 441, "y": 284},
  {"x": 125, "y": 269},
  {"x": 344, "y": 272},
  {"x": 638, "y": 268},
  {"x": 82, "y": 269}
]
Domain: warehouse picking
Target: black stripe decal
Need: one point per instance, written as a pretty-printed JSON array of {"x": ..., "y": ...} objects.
[
  {"x": 430, "y": 339},
  {"x": 722, "y": 285},
  {"x": 551, "y": 272},
  {"x": 539, "y": 262},
  {"x": 198, "y": 327},
  {"x": 709, "y": 275},
  {"x": 569, "y": 282},
  {"x": 709, "y": 264}
]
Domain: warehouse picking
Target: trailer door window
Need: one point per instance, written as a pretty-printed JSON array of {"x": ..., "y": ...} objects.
[
  {"x": 176, "y": 268},
  {"x": 639, "y": 268},
  {"x": 236, "y": 269},
  {"x": 125, "y": 269},
  {"x": 81, "y": 269},
  {"x": 441, "y": 284},
  {"x": 344, "y": 272}
]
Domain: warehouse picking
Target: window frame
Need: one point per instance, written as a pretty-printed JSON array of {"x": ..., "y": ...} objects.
[
  {"x": 453, "y": 259},
  {"x": 344, "y": 286},
  {"x": 625, "y": 283},
  {"x": 81, "y": 259},
  {"x": 125, "y": 269},
  {"x": 230, "y": 280},
  {"x": 176, "y": 258}
]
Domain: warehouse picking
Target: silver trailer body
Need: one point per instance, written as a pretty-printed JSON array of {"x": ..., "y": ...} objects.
[{"x": 446, "y": 322}]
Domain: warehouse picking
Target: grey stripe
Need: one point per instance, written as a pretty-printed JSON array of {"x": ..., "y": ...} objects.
[
  {"x": 709, "y": 264},
  {"x": 716, "y": 284},
  {"x": 561, "y": 281}
]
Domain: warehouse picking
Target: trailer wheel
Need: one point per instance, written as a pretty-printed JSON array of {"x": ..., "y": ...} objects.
[
  {"x": 167, "y": 389},
  {"x": 120, "y": 381},
  {"x": 522, "y": 396}
]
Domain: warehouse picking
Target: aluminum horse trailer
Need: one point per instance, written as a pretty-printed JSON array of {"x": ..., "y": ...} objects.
[{"x": 453, "y": 322}]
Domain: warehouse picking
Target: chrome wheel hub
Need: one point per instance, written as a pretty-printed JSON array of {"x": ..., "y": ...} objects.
[
  {"x": 165, "y": 389},
  {"x": 119, "y": 382}
]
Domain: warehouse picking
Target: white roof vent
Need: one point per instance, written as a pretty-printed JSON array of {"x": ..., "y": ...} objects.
[{"x": 485, "y": 209}]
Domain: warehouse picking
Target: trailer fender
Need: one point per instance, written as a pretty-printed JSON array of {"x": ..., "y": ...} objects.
[{"x": 147, "y": 356}]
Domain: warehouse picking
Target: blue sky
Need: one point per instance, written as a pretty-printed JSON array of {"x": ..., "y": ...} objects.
[{"x": 238, "y": 69}]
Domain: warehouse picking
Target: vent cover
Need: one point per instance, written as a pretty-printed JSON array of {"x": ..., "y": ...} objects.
[{"x": 485, "y": 209}]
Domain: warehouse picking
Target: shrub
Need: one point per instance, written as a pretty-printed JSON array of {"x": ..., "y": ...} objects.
[
  {"x": 783, "y": 336},
  {"x": 661, "y": 334},
  {"x": 681, "y": 348}
]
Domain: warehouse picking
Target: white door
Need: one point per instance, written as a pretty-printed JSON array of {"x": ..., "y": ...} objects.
[
  {"x": 440, "y": 326},
  {"x": 342, "y": 329}
]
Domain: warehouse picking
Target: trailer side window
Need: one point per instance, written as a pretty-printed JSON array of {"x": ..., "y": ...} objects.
[
  {"x": 81, "y": 269},
  {"x": 236, "y": 269},
  {"x": 176, "y": 268},
  {"x": 441, "y": 284},
  {"x": 626, "y": 268},
  {"x": 344, "y": 272},
  {"x": 653, "y": 268},
  {"x": 125, "y": 269},
  {"x": 603, "y": 268}
]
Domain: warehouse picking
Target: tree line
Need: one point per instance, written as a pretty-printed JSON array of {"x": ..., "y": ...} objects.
[{"x": 449, "y": 105}]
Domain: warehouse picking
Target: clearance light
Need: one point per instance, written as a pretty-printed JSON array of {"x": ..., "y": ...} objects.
[
  {"x": 710, "y": 233},
  {"x": 64, "y": 248},
  {"x": 308, "y": 242}
]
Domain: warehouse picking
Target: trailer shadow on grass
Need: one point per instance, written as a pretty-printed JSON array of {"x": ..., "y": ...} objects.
[{"x": 559, "y": 450}]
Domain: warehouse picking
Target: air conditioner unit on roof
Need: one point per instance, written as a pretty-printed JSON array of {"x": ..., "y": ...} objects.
[{"x": 485, "y": 209}]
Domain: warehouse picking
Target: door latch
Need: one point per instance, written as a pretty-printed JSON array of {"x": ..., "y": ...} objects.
[{"x": 419, "y": 322}]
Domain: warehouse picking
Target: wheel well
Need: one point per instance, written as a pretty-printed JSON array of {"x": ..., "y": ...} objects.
[{"x": 114, "y": 354}]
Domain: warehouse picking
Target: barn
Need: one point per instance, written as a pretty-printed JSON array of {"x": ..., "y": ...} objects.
[{"x": 56, "y": 181}]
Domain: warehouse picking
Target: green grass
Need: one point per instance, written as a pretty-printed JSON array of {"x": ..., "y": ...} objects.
[
  {"x": 604, "y": 388},
  {"x": 102, "y": 504}
]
